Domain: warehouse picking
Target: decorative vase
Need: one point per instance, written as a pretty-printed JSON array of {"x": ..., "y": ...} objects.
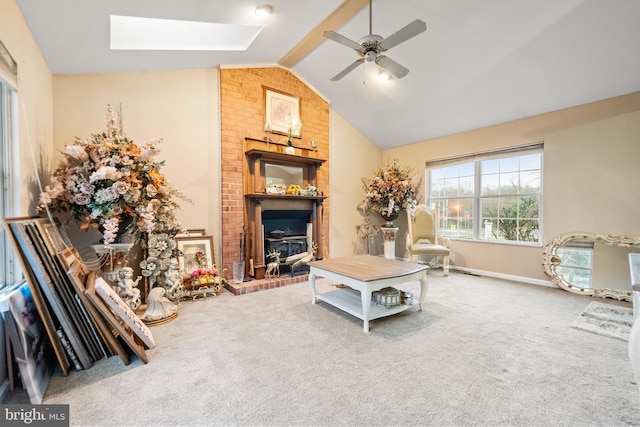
[
  {"x": 388, "y": 219},
  {"x": 289, "y": 149}
]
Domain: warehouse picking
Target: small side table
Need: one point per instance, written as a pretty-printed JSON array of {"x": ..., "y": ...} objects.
[{"x": 389, "y": 234}]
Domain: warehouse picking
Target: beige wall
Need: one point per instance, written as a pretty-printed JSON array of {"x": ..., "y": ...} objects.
[
  {"x": 181, "y": 107},
  {"x": 35, "y": 106},
  {"x": 352, "y": 157},
  {"x": 590, "y": 177}
]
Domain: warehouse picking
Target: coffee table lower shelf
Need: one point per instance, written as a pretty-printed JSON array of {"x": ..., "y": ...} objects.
[{"x": 350, "y": 301}]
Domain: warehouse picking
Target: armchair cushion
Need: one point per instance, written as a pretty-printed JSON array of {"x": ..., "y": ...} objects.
[{"x": 424, "y": 246}]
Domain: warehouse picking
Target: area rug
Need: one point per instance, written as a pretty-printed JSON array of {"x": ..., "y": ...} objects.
[{"x": 606, "y": 319}]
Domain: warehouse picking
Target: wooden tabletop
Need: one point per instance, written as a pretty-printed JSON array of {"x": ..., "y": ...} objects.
[{"x": 368, "y": 267}]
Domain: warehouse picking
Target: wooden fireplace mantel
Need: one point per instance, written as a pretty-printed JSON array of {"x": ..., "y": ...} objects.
[
  {"x": 257, "y": 154},
  {"x": 283, "y": 197},
  {"x": 276, "y": 151},
  {"x": 284, "y": 157}
]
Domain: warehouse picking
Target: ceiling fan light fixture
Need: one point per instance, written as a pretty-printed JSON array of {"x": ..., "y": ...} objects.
[
  {"x": 263, "y": 11},
  {"x": 384, "y": 75},
  {"x": 370, "y": 48}
]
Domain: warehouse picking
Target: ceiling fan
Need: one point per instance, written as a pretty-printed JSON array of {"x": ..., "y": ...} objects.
[{"x": 371, "y": 47}]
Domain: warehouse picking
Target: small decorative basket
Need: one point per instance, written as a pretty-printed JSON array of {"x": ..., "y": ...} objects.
[
  {"x": 388, "y": 297},
  {"x": 200, "y": 281}
]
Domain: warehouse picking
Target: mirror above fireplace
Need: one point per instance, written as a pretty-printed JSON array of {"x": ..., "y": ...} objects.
[{"x": 283, "y": 174}]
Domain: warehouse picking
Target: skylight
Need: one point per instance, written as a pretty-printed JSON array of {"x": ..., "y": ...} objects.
[{"x": 135, "y": 33}]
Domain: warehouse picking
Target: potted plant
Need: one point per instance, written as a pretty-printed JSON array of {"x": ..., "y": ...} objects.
[{"x": 293, "y": 127}]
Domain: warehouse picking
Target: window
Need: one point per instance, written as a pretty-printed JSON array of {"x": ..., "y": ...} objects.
[
  {"x": 9, "y": 202},
  {"x": 492, "y": 197}
]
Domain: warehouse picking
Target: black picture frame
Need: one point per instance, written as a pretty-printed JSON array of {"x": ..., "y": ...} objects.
[
  {"x": 77, "y": 313},
  {"x": 51, "y": 325},
  {"x": 44, "y": 237},
  {"x": 44, "y": 281},
  {"x": 79, "y": 273}
]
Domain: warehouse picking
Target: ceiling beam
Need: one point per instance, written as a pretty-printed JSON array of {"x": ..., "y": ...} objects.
[{"x": 312, "y": 40}]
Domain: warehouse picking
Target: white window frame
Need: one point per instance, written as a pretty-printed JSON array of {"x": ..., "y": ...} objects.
[
  {"x": 475, "y": 200},
  {"x": 10, "y": 194}
]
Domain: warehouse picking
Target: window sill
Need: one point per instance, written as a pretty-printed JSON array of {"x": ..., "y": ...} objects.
[{"x": 496, "y": 242}]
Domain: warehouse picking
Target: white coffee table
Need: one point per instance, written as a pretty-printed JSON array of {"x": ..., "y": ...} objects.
[{"x": 365, "y": 274}]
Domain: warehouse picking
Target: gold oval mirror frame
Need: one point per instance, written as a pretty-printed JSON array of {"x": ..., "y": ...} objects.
[{"x": 551, "y": 261}]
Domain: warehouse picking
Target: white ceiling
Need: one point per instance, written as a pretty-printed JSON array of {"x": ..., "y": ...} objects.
[{"x": 480, "y": 62}]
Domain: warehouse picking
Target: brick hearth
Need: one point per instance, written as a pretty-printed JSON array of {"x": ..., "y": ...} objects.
[{"x": 262, "y": 284}]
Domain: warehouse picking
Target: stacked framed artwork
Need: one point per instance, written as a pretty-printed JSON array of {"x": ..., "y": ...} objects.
[
  {"x": 27, "y": 341},
  {"x": 81, "y": 324}
]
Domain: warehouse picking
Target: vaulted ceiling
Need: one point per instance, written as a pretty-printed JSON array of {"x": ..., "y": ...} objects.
[{"x": 479, "y": 63}]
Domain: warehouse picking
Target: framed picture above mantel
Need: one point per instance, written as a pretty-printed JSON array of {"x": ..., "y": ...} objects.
[{"x": 282, "y": 113}]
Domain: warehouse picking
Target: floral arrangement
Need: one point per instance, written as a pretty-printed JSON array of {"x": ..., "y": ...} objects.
[
  {"x": 107, "y": 180},
  {"x": 160, "y": 251},
  {"x": 293, "y": 127},
  {"x": 391, "y": 189},
  {"x": 204, "y": 271}
]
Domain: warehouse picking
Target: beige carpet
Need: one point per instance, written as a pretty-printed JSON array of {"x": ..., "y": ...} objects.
[{"x": 484, "y": 352}]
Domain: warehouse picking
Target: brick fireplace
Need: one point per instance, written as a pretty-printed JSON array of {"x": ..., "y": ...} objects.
[{"x": 242, "y": 107}]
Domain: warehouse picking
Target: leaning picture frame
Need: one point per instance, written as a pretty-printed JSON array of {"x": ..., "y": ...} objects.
[
  {"x": 197, "y": 251},
  {"x": 45, "y": 310},
  {"x": 123, "y": 312},
  {"x": 63, "y": 288},
  {"x": 51, "y": 234},
  {"x": 192, "y": 232},
  {"x": 281, "y": 111},
  {"x": 76, "y": 307},
  {"x": 78, "y": 274},
  {"x": 120, "y": 328},
  {"x": 33, "y": 352}
]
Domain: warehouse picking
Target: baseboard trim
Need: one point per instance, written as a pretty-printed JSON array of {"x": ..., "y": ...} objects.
[
  {"x": 547, "y": 283},
  {"x": 522, "y": 279}
]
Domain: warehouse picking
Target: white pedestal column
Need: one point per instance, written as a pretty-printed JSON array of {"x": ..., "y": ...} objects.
[{"x": 389, "y": 234}]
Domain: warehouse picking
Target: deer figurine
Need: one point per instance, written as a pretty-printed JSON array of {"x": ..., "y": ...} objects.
[{"x": 273, "y": 268}]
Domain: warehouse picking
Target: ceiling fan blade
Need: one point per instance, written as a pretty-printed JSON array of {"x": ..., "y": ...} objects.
[
  {"x": 392, "y": 66},
  {"x": 342, "y": 40},
  {"x": 347, "y": 70},
  {"x": 403, "y": 34}
]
